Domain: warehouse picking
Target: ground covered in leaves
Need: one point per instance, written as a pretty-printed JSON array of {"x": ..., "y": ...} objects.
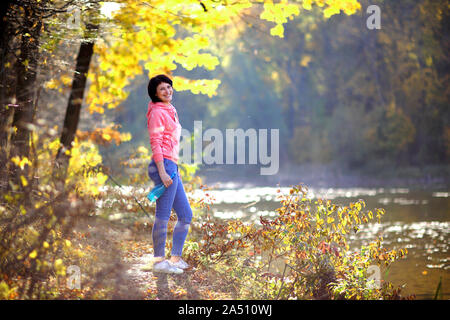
[{"x": 124, "y": 256}]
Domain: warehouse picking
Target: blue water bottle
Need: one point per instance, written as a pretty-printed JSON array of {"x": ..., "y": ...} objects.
[{"x": 158, "y": 190}]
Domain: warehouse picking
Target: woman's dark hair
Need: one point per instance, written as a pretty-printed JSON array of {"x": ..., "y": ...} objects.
[{"x": 154, "y": 83}]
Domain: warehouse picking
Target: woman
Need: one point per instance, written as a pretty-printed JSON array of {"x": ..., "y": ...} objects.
[{"x": 164, "y": 131}]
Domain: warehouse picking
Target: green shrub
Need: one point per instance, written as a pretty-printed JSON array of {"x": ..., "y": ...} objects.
[{"x": 301, "y": 253}]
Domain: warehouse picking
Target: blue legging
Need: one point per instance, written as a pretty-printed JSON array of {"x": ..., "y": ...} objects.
[{"x": 174, "y": 197}]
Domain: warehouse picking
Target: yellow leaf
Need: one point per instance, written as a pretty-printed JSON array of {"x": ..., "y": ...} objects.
[
  {"x": 20, "y": 162},
  {"x": 66, "y": 80},
  {"x": 33, "y": 254},
  {"x": 125, "y": 137},
  {"x": 305, "y": 61},
  {"x": 24, "y": 181},
  {"x": 328, "y": 12},
  {"x": 307, "y": 4},
  {"x": 278, "y": 30},
  {"x": 142, "y": 149},
  {"x": 58, "y": 262}
]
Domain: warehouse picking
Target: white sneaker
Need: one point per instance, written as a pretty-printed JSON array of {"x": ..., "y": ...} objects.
[
  {"x": 166, "y": 267},
  {"x": 180, "y": 264}
]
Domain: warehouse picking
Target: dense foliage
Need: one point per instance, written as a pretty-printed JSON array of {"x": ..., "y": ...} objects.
[{"x": 339, "y": 92}]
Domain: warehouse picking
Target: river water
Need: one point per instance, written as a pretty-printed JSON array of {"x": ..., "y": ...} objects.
[{"x": 418, "y": 220}]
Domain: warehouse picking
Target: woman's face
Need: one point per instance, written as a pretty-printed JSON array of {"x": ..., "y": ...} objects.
[{"x": 164, "y": 92}]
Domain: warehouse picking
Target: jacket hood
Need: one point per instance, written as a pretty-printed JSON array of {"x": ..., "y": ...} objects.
[{"x": 160, "y": 105}]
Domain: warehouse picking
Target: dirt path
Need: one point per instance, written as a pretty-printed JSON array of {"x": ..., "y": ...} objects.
[{"x": 194, "y": 284}]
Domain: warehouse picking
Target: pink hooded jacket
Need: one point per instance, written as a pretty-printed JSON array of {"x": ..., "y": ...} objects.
[{"x": 164, "y": 131}]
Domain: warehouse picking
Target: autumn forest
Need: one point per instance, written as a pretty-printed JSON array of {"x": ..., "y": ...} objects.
[{"x": 357, "y": 91}]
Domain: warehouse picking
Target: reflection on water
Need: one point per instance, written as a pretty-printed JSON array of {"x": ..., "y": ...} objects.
[{"x": 416, "y": 220}]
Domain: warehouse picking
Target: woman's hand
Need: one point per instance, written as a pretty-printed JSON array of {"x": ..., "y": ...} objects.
[{"x": 167, "y": 181}]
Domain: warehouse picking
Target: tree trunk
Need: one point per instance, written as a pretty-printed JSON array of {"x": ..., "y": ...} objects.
[
  {"x": 25, "y": 67},
  {"x": 4, "y": 6},
  {"x": 7, "y": 82},
  {"x": 74, "y": 107}
]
